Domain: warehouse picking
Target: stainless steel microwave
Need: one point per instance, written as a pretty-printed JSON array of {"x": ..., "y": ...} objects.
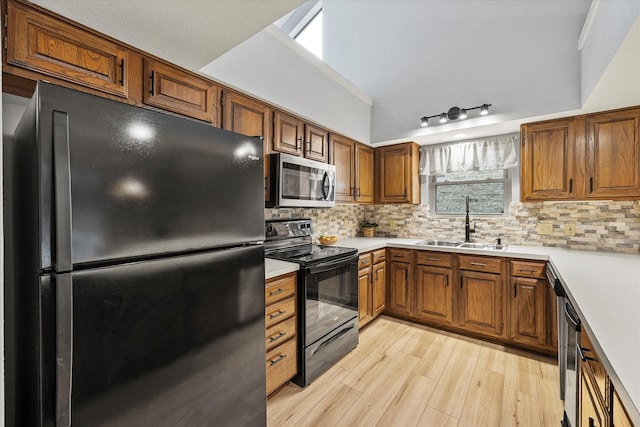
[{"x": 298, "y": 182}]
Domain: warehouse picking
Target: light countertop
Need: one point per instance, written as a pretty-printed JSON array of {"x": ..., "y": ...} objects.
[
  {"x": 604, "y": 287},
  {"x": 274, "y": 268}
]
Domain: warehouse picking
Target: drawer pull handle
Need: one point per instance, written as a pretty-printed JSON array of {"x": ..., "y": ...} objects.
[
  {"x": 432, "y": 259},
  {"x": 279, "y": 291},
  {"x": 278, "y": 314},
  {"x": 277, "y": 359},
  {"x": 398, "y": 256},
  {"x": 479, "y": 264},
  {"x": 524, "y": 270},
  {"x": 277, "y": 336}
]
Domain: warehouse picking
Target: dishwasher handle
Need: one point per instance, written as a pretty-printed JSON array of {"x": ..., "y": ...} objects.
[{"x": 570, "y": 314}]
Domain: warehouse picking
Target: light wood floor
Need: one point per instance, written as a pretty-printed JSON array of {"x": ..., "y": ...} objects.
[{"x": 407, "y": 375}]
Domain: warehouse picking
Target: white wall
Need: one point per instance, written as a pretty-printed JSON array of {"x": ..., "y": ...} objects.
[
  {"x": 607, "y": 27},
  {"x": 274, "y": 68}
]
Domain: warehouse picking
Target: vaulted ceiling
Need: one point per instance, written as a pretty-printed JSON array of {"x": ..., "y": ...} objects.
[{"x": 413, "y": 58}]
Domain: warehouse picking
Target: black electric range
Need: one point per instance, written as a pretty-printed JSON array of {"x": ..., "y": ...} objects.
[{"x": 327, "y": 296}]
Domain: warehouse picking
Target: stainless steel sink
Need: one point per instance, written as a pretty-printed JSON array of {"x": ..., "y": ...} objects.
[{"x": 439, "y": 243}]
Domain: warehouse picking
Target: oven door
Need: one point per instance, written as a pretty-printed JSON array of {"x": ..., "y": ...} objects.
[{"x": 331, "y": 296}]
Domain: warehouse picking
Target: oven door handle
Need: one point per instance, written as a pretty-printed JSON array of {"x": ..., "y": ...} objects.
[
  {"x": 333, "y": 338},
  {"x": 331, "y": 265}
]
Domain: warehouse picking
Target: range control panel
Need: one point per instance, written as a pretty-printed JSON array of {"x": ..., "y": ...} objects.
[{"x": 287, "y": 228}]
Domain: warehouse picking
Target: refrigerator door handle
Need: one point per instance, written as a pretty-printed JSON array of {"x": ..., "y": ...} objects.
[
  {"x": 64, "y": 348},
  {"x": 62, "y": 190}
]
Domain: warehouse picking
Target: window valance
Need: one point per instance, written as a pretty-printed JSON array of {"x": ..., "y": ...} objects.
[{"x": 496, "y": 152}]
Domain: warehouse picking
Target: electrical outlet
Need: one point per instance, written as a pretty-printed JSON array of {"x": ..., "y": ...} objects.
[
  {"x": 545, "y": 228},
  {"x": 570, "y": 230}
]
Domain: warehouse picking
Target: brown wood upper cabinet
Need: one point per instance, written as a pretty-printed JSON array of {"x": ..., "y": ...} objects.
[
  {"x": 354, "y": 170},
  {"x": 172, "y": 89},
  {"x": 594, "y": 156},
  {"x": 49, "y": 46},
  {"x": 396, "y": 172},
  {"x": 244, "y": 115},
  {"x": 613, "y": 159},
  {"x": 548, "y": 167},
  {"x": 293, "y": 136}
]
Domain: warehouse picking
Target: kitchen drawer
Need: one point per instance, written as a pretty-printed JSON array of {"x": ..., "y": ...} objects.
[
  {"x": 379, "y": 255},
  {"x": 280, "y": 332},
  {"x": 401, "y": 255},
  {"x": 364, "y": 261},
  {"x": 281, "y": 365},
  {"x": 436, "y": 259},
  {"x": 280, "y": 288},
  {"x": 280, "y": 311},
  {"x": 528, "y": 269},
  {"x": 478, "y": 263}
]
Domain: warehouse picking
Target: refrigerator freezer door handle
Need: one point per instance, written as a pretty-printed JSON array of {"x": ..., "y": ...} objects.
[
  {"x": 62, "y": 177},
  {"x": 64, "y": 348}
]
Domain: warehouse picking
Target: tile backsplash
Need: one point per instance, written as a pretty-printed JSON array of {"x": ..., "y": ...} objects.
[{"x": 612, "y": 226}]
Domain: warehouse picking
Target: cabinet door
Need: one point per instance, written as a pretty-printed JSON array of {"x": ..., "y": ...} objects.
[
  {"x": 433, "y": 293},
  {"x": 378, "y": 295},
  {"x": 399, "y": 296},
  {"x": 591, "y": 414},
  {"x": 49, "y": 46},
  {"x": 316, "y": 143},
  {"x": 287, "y": 133},
  {"x": 364, "y": 296},
  {"x": 248, "y": 117},
  {"x": 364, "y": 174},
  {"x": 396, "y": 174},
  {"x": 481, "y": 302},
  {"x": 613, "y": 159},
  {"x": 548, "y": 156},
  {"x": 528, "y": 311},
  {"x": 342, "y": 156},
  {"x": 172, "y": 89},
  {"x": 620, "y": 416}
]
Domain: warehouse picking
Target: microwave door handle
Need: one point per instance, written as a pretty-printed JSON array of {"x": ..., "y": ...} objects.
[{"x": 327, "y": 186}]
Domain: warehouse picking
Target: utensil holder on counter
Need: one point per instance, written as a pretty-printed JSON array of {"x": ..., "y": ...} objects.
[{"x": 368, "y": 231}]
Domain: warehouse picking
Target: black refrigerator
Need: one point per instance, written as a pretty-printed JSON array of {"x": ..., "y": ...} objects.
[{"x": 137, "y": 268}]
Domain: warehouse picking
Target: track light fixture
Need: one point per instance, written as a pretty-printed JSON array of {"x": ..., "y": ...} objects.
[{"x": 455, "y": 113}]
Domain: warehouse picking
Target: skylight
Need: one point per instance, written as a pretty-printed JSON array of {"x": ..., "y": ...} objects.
[
  {"x": 311, "y": 35},
  {"x": 304, "y": 25}
]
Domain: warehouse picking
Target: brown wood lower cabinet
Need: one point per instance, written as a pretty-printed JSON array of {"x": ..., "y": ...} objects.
[
  {"x": 280, "y": 334},
  {"x": 379, "y": 285},
  {"x": 433, "y": 287},
  {"x": 400, "y": 291},
  {"x": 471, "y": 294},
  {"x": 481, "y": 303},
  {"x": 620, "y": 417},
  {"x": 371, "y": 286}
]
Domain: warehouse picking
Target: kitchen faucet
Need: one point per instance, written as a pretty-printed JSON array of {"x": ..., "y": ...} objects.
[{"x": 467, "y": 227}]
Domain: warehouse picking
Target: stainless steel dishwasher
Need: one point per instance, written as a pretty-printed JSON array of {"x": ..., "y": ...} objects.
[
  {"x": 572, "y": 370},
  {"x": 569, "y": 326}
]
